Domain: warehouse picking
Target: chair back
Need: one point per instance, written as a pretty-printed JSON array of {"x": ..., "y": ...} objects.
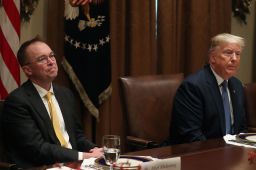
[
  {"x": 147, "y": 104},
  {"x": 3, "y": 164},
  {"x": 250, "y": 98},
  {"x": 2, "y": 156}
]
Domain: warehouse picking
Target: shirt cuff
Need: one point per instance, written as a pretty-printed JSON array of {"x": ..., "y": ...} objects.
[{"x": 80, "y": 156}]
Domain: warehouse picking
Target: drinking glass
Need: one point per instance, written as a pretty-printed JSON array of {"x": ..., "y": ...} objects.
[{"x": 111, "y": 148}]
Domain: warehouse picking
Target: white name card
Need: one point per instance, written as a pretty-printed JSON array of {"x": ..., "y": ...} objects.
[{"x": 162, "y": 164}]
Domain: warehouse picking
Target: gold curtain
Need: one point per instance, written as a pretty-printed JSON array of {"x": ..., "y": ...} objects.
[{"x": 175, "y": 40}]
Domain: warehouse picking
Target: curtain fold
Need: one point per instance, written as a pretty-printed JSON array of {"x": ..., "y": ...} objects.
[{"x": 175, "y": 40}]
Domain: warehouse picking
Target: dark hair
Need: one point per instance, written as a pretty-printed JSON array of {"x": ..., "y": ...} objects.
[{"x": 21, "y": 54}]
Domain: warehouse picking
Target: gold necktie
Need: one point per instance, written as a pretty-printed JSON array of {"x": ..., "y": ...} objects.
[{"x": 55, "y": 120}]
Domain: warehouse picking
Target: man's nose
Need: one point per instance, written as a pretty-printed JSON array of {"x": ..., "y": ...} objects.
[{"x": 235, "y": 56}]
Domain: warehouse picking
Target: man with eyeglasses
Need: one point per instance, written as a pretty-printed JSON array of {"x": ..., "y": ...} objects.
[
  {"x": 32, "y": 138},
  {"x": 210, "y": 103}
]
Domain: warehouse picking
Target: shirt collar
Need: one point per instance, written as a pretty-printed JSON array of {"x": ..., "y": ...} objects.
[
  {"x": 42, "y": 92},
  {"x": 218, "y": 78}
]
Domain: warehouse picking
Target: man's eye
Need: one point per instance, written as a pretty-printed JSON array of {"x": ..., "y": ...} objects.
[
  {"x": 228, "y": 52},
  {"x": 43, "y": 58},
  {"x": 52, "y": 55}
]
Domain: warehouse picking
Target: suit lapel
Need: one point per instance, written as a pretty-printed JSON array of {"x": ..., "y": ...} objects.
[
  {"x": 39, "y": 107},
  {"x": 233, "y": 96},
  {"x": 61, "y": 103},
  {"x": 214, "y": 90},
  {"x": 65, "y": 113}
]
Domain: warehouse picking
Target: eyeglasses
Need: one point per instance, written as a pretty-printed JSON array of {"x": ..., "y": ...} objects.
[
  {"x": 43, "y": 59},
  {"x": 230, "y": 53}
]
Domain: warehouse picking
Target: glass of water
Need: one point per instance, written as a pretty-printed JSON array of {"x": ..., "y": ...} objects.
[{"x": 111, "y": 148}]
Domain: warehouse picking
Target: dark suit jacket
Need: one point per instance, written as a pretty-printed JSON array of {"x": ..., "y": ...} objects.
[
  {"x": 198, "y": 112},
  {"x": 29, "y": 134}
]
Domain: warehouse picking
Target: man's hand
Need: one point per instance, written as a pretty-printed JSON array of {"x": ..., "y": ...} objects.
[
  {"x": 95, "y": 152},
  {"x": 75, "y": 3}
]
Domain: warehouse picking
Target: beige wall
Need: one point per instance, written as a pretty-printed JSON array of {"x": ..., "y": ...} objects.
[
  {"x": 246, "y": 31},
  {"x": 36, "y": 26}
]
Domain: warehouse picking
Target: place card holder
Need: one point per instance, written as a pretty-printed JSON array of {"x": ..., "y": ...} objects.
[{"x": 162, "y": 164}]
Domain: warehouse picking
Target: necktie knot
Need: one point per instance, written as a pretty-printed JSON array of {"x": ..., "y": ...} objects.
[
  {"x": 224, "y": 84},
  {"x": 48, "y": 96}
]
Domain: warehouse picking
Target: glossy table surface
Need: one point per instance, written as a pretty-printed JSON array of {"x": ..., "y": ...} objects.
[{"x": 207, "y": 155}]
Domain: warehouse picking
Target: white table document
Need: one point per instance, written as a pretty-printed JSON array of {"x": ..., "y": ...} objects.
[{"x": 162, "y": 164}]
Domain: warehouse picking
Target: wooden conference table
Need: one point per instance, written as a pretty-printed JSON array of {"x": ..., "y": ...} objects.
[
  {"x": 208, "y": 155},
  {"x": 212, "y": 154}
]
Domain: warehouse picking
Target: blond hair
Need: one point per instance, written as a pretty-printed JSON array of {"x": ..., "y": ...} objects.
[{"x": 226, "y": 38}]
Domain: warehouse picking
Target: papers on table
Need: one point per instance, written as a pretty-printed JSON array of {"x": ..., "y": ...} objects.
[
  {"x": 233, "y": 140},
  {"x": 88, "y": 164},
  {"x": 60, "y": 168},
  {"x": 163, "y": 164},
  {"x": 156, "y": 164}
]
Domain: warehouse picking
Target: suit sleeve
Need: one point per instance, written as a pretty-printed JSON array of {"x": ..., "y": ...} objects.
[
  {"x": 242, "y": 125},
  {"x": 187, "y": 115}
]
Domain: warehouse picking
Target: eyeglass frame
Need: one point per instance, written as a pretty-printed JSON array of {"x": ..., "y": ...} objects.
[{"x": 43, "y": 59}]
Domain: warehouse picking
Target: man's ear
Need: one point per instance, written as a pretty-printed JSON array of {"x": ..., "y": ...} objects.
[
  {"x": 27, "y": 70},
  {"x": 212, "y": 56},
  {"x": 212, "y": 59}
]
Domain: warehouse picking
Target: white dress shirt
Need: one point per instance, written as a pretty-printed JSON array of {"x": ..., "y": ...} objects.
[
  {"x": 42, "y": 92},
  {"x": 219, "y": 81}
]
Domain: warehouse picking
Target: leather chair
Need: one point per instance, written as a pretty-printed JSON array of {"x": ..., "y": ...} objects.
[
  {"x": 250, "y": 99},
  {"x": 2, "y": 154},
  {"x": 147, "y": 104},
  {"x": 3, "y": 164}
]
